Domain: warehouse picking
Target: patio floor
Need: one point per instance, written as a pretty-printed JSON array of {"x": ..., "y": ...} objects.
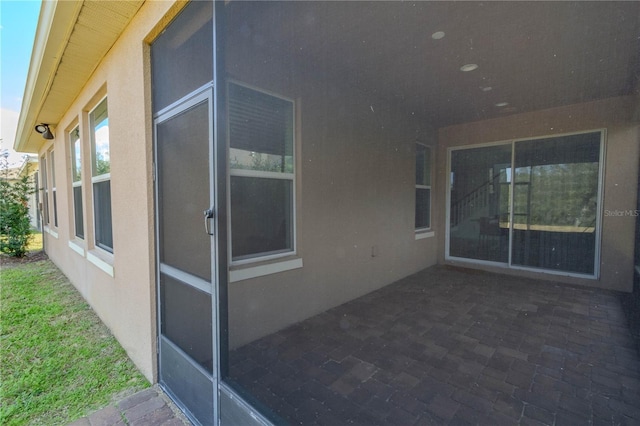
[{"x": 453, "y": 346}]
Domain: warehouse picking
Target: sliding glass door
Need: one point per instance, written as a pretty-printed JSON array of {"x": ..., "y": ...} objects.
[
  {"x": 479, "y": 197},
  {"x": 556, "y": 203},
  {"x": 528, "y": 204}
]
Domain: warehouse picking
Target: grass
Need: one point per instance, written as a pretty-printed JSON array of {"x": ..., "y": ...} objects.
[
  {"x": 35, "y": 244},
  {"x": 58, "y": 362}
]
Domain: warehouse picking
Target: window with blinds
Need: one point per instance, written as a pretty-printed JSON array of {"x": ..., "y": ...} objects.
[
  {"x": 423, "y": 187},
  {"x": 262, "y": 173},
  {"x": 101, "y": 179},
  {"x": 76, "y": 181}
]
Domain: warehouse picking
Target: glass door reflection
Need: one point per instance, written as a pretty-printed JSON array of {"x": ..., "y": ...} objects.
[{"x": 479, "y": 203}]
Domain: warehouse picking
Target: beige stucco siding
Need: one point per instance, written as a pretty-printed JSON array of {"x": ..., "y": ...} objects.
[
  {"x": 622, "y": 142},
  {"x": 354, "y": 187},
  {"x": 126, "y": 301},
  {"x": 354, "y": 191},
  {"x": 355, "y": 196}
]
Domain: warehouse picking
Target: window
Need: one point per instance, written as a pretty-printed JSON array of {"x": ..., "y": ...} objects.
[
  {"x": 262, "y": 173},
  {"x": 423, "y": 187},
  {"x": 528, "y": 203},
  {"x": 556, "y": 203},
  {"x": 45, "y": 191},
  {"x": 101, "y": 176},
  {"x": 76, "y": 181},
  {"x": 480, "y": 203},
  {"x": 54, "y": 193}
]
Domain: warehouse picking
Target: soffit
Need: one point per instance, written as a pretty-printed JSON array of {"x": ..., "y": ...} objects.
[
  {"x": 533, "y": 55},
  {"x": 73, "y": 38}
]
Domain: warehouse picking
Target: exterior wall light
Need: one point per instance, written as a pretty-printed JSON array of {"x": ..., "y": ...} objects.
[{"x": 44, "y": 130}]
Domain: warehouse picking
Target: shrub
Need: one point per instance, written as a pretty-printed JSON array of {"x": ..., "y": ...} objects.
[{"x": 15, "y": 228}]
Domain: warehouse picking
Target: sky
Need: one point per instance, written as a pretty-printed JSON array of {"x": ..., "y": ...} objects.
[{"x": 18, "y": 20}]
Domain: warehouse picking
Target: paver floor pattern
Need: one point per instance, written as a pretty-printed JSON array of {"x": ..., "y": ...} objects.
[
  {"x": 150, "y": 407},
  {"x": 453, "y": 346}
]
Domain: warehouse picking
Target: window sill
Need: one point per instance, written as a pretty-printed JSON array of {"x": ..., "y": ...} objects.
[
  {"x": 241, "y": 273},
  {"x": 420, "y": 235},
  {"x": 75, "y": 246},
  {"x": 51, "y": 232},
  {"x": 101, "y": 260}
]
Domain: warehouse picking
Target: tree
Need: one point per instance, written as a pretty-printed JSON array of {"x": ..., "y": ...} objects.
[{"x": 15, "y": 227}]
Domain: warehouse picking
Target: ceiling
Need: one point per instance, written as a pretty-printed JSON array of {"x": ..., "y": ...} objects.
[
  {"x": 530, "y": 55},
  {"x": 533, "y": 55}
]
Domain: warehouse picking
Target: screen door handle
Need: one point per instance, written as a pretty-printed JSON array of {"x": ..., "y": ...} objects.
[{"x": 208, "y": 215}]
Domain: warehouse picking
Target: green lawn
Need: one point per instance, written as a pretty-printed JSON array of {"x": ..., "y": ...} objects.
[
  {"x": 35, "y": 243},
  {"x": 58, "y": 362}
]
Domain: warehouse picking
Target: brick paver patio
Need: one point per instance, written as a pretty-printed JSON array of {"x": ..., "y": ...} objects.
[
  {"x": 150, "y": 407},
  {"x": 453, "y": 346}
]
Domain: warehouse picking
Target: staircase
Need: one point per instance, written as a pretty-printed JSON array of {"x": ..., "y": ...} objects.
[{"x": 471, "y": 206}]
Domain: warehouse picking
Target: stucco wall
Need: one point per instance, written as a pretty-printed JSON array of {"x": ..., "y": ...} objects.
[
  {"x": 616, "y": 115},
  {"x": 354, "y": 191},
  {"x": 126, "y": 301},
  {"x": 355, "y": 195}
]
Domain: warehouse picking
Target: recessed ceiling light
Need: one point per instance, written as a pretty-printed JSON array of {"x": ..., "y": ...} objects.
[
  {"x": 502, "y": 104},
  {"x": 468, "y": 67},
  {"x": 437, "y": 35},
  {"x": 486, "y": 88}
]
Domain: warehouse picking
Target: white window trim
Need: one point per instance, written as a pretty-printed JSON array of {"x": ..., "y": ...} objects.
[
  {"x": 44, "y": 184},
  {"x": 76, "y": 247},
  {"x": 97, "y": 179},
  {"x": 508, "y": 264},
  {"x": 72, "y": 153},
  {"x": 54, "y": 189},
  {"x": 101, "y": 178},
  {"x": 92, "y": 136},
  {"x": 421, "y": 235},
  {"x": 262, "y": 270},
  {"x": 51, "y": 232},
  {"x": 249, "y": 259},
  {"x": 261, "y": 174},
  {"x": 94, "y": 257},
  {"x": 423, "y": 231},
  {"x": 75, "y": 183},
  {"x": 54, "y": 198}
]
